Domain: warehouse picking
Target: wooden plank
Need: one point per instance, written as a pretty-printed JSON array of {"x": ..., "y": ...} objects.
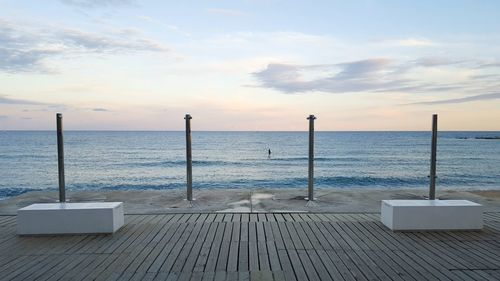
[
  {"x": 184, "y": 253},
  {"x": 297, "y": 265},
  {"x": 363, "y": 257},
  {"x": 177, "y": 248},
  {"x": 264, "y": 263},
  {"x": 427, "y": 262},
  {"x": 215, "y": 249},
  {"x": 338, "y": 252},
  {"x": 244, "y": 276},
  {"x": 287, "y": 217},
  {"x": 271, "y": 246},
  {"x": 161, "y": 235},
  {"x": 272, "y": 255},
  {"x": 196, "y": 276},
  {"x": 210, "y": 217},
  {"x": 222, "y": 260},
  {"x": 279, "y": 217},
  {"x": 208, "y": 276},
  {"x": 323, "y": 272},
  {"x": 236, "y": 217},
  {"x": 253, "y": 217},
  {"x": 334, "y": 265},
  {"x": 319, "y": 241},
  {"x": 220, "y": 276},
  {"x": 167, "y": 246},
  {"x": 196, "y": 249},
  {"x": 183, "y": 217},
  {"x": 202, "y": 218},
  {"x": 308, "y": 238},
  {"x": 228, "y": 217},
  {"x": 136, "y": 252},
  {"x": 261, "y": 217},
  {"x": 270, "y": 217},
  {"x": 383, "y": 256},
  {"x": 161, "y": 246},
  {"x": 193, "y": 218},
  {"x": 139, "y": 250},
  {"x": 12, "y": 272},
  {"x": 253, "y": 254},
  {"x": 277, "y": 236},
  {"x": 232, "y": 263},
  {"x": 297, "y": 242},
  {"x": 245, "y": 217},
  {"x": 64, "y": 267}
]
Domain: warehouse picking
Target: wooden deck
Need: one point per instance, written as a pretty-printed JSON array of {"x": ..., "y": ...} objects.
[{"x": 253, "y": 247}]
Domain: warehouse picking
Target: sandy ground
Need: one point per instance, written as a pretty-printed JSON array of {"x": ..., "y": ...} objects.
[{"x": 256, "y": 200}]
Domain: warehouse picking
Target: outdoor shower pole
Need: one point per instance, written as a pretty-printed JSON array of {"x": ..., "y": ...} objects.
[
  {"x": 310, "y": 186},
  {"x": 432, "y": 185},
  {"x": 189, "y": 160},
  {"x": 60, "y": 158}
]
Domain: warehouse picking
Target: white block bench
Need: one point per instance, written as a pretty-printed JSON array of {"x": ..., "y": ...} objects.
[
  {"x": 70, "y": 218},
  {"x": 432, "y": 215}
]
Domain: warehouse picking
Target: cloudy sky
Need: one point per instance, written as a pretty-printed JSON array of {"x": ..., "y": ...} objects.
[{"x": 249, "y": 64}]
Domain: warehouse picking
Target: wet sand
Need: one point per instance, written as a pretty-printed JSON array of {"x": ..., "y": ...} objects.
[{"x": 255, "y": 200}]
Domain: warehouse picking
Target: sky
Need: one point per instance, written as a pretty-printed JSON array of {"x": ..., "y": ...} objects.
[{"x": 253, "y": 65}]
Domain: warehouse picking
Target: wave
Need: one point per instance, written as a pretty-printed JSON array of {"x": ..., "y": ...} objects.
[
  {"x": 246, "y": 183},
  {"x": 335, "y": 181},
  {"x": 27, "y": 156},
  {"x": 10, "y": 192},
  {"x": 343, "y": 182},
  {"x": 319, "y": 159},
  {"x": 323, "y": 182},
  {"x": 181, "y": 163},
  {"x": 242, "y": 162}
]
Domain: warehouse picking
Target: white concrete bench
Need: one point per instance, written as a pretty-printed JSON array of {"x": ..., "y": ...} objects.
[
  {"x": 70, "y": 218},
  {"x": 432, "y": 215}
]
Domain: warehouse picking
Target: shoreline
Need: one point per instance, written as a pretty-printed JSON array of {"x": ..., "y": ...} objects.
[{"x": 337, "y": 200}]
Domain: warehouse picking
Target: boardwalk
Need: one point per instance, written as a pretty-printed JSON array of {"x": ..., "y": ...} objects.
[{"x": 253, "y": 247}]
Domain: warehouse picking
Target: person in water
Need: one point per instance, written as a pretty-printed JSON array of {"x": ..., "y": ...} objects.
[{"x": 269, "y": 153}]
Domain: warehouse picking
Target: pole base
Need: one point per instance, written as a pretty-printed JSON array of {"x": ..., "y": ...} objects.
[
  {"x": 191, "y": 203},
  {"x": 311, "y": 204}
]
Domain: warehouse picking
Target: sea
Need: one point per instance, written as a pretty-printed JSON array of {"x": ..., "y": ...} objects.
[{"x": 139, "y": 160}]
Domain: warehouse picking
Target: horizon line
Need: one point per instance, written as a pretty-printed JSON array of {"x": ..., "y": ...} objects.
[{"x": 240, "y": 131}]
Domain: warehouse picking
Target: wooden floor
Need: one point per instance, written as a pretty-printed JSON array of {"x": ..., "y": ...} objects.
[{"x": 253, "y": 247}]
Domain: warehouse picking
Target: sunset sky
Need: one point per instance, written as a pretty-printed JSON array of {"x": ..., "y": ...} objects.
[{"x": 250, "y": 64}]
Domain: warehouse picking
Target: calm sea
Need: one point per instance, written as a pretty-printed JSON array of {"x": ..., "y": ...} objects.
[{"x": 103, "y": 160}]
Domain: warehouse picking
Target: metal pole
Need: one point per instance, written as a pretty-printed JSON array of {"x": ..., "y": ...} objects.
[
  {"x": 310, "y": 186},
  {"x": 432, "y": 183},
  {"x": 60, "y": 158},
  {"x": 189, "y": 160}
]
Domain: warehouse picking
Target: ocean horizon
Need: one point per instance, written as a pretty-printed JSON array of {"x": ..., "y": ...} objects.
[{"x": 155, "y": 160}]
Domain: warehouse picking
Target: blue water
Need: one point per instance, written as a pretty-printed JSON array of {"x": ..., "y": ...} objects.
[{"x": 101, "y": 160}]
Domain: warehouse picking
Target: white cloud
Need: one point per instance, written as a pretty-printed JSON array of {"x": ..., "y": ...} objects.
[
  {"x": 26, "y": 48},
  {"x": 492, "y": 96},
  {"x": 77, "y": 39},
  {"x": 356, "y": 76},
  {"x": 410, "y": 42},
  {"x": 7, "y": 100},
  {"x": 438, "y": 75}
]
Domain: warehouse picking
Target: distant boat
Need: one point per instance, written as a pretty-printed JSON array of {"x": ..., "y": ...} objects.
[{"x": 481, "y": 138}]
